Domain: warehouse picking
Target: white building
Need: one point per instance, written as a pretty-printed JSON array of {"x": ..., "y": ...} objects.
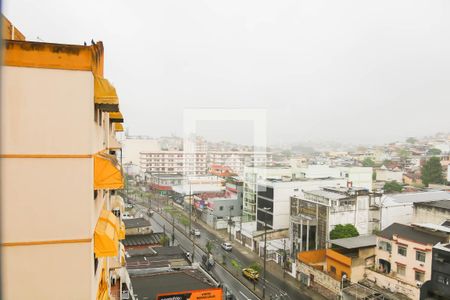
[
  {"x": 132, "y": 146},
  {"x": 399, "y": 208}
]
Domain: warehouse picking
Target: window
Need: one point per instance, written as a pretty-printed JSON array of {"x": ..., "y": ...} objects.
[
  {"x": 401, "y": 270},
  {"x": 419, "y": 276},
  {"x": 95, "y": 264},
  {"x": 402, "y": 250},
  {"x": 333, "y": 269},
  {"x": 442, "y": 280},
  {"x": 232, "y": 207},
  {"x": 220, "y": 207},
  {"x": 420, "y": 256},
  {"x": 382, "y": 245}
]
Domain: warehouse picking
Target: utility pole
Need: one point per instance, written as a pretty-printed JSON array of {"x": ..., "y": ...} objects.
[
  {"x": 265, "y": 209},
  {"x": 193, "y": 248},
  {"x": 229, "y": 224},
  {"x": 284, "y": 257},
  {"x": 190, "y": 207},
  {"x": 173, "y": 229}
]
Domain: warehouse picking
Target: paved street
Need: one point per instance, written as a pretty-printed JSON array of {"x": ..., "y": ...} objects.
[{"x": 277, "y": 287}]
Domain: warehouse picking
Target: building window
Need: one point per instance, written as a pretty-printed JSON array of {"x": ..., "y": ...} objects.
[
  {"x": 401, "y": 270},
  {"x": 382, "y": 245},
  {"x": 443, "y": 280},
  {"x": 420, "y": 256},
  {"x": 220, "y": 207},
  {"x": 402, "y": 250},
  {"x": 95, "y": 264},
  {"x": 419, "y": 276},
  {"x": 232, "y": 207},
  {"x": 333, "y": 269}
]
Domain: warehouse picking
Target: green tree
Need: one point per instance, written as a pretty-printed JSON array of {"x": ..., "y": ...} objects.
[
  {"x": 209, "y": 246},
  {"x": 184, "y": 221},
  {"x": 368, "y": 162},
  {"x": 343, "y": 231},
  {"x": 236, "y": 265},
  {"x": 164, "y": 240},
  {"x": 403, "y": 153},
  {"x": 434, "y": 151},
  {"x": 432, "y": 172},
  {"x": 411, "y": 140},
  {"x": 392, "y": 187},
  {"x": 255, "y": 266}
]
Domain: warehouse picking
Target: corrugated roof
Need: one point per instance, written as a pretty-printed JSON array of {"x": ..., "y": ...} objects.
[
  {"x": 443, "y": 204},
  {"x": 142, "y": 239},
  {"x": 356, "y": 242},
  {"x": 136, "y": 223}
]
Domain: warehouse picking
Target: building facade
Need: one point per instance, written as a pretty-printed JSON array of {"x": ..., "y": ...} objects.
[{"x": 59, "y": 174}]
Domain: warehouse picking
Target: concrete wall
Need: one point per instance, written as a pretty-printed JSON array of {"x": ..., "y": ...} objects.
[
  {"x": 319, "y": 277},
  {"x": 393, "y": 284},
  {"x": 428, "y": 214}
]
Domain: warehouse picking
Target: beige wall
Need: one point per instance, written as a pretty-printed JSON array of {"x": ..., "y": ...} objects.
[
  {"x": 46, "y": 199},
  {"x": 40, "y": 106},
  {"x": 49, "y": 271},
  {"x": 49, "y": 112}
]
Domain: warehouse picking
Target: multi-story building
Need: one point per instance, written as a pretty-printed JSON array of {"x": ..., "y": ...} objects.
[
  {"x": 314, "y": 214},
  {"x": 400, "y": 207},
  {"x": 199, "y": 162},
  {"x": 251, "y": 176},
  {"x": 403, "y": 258},
  {"x": 59, "y": 119},
  {"x": 439, "y": 285},
  {"x": 435, "y": 212},
  {"x": 194, "y": 163}
]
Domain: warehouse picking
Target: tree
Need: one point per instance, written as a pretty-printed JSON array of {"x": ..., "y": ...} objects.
[
  {"x": 184, "y": 221},
  {"x": 255, "y": 266},
  {"x": 434, "y": 151},
  {"x": 432, "y": 172},
  {"x": 343, "y": 231},
  {"x": 368, "y": 162},
  {"x": 209, "y": 246},
  {"x": 236, "y": 265},
  {"x": 164, "y": 240},
  {"x": 392, "y": 187},
  {"x": 411, "y": 140}
]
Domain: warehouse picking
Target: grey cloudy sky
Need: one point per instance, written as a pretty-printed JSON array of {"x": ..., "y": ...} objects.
[{"x": 350, "y": 71}]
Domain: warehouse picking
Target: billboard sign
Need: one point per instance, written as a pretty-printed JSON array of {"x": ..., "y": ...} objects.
[{"x": 207, "y": 294}]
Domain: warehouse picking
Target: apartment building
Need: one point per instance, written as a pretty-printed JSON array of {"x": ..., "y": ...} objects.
[
  {"x": 439, "y": 285},
  {"x": 199, "y": 162},
  {"x": 194, "y": 163},
  {"x": 403, "y": 258},
  {"x": 315, "y": 213},
  {"x": 61, "y": 220}
]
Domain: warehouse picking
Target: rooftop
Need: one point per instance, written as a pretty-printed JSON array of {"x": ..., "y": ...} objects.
[
  {"x": 142, "y": 239},
  {"x": 416, "y": 197},
  {"x": 411, "y": 233},
  {"x": 356, "y": 242},
  {"x": 147, "y": 287},
  {"x": 442, "y": 204},
  {"x": 327, "y": 194},
  {"x": 136, "y": 223}
]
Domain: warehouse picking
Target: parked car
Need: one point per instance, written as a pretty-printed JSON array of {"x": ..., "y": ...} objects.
[
  {"x": 150, "y": 212},
  {"x": 251, "y": 274},
  {"x": 226, "y": 246},
  {"x": 195, "y": 232}
]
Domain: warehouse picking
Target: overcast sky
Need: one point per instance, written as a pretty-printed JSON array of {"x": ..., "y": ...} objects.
[{"x": 349, "y": 71}]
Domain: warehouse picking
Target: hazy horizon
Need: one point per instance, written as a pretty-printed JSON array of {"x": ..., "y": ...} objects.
[{"x": 355, "y": 72}]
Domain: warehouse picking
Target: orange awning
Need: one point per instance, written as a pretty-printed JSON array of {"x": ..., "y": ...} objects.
[
  {"x": 105, "y": 96},
  {"x": 106, "y": 240},
  {"x": 107, "y": 173},
  {"x": 122, "y": 231},
  {"x": 116, "y": 117},
  {"x": 118, "y": 127}
]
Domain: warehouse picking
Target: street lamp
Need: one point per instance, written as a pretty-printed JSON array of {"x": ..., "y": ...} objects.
[{"x": 265, "y": 209}]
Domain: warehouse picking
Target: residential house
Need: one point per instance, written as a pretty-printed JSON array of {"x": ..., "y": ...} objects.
[
  {"x": 137, "y": 226},
  {"x": 338, "y": 266},
  {"x": 439, "y": 285},
  {"x": 403, "y": 258}
]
